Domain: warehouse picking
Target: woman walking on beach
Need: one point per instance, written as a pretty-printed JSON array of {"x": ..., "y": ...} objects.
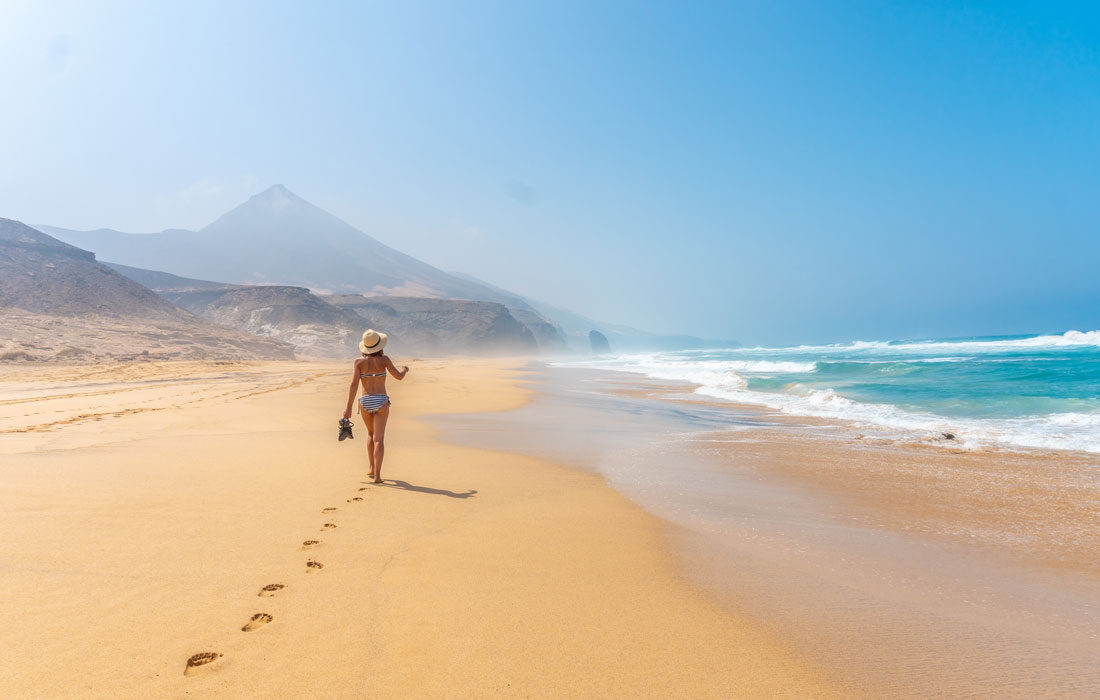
[{"x": 370, "y": 371}]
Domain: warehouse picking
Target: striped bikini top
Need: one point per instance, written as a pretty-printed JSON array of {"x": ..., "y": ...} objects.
[{"x": 380, "y": 374}]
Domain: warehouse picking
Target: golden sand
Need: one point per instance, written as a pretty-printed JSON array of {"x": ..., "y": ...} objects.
[{"x": 197, "y": 531}]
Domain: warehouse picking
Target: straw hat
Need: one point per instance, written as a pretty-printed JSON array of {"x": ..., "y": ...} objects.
[{"x": 372, "y": 342}]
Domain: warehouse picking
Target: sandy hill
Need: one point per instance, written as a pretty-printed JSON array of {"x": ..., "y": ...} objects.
[
  {"x": 277, "y": 237},
  {"x": 58, "y": 303}
]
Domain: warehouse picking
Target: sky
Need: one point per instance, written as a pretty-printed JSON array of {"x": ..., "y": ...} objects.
[{"x": 770, "y": 172}]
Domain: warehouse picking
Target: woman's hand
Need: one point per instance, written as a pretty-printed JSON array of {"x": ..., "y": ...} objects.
[{"x": 347, "y": 413}]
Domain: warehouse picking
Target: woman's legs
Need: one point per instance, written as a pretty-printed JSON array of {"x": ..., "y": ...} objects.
[
  {"x": 378, "y": 441},
  {"x": 368, "y": 419}
]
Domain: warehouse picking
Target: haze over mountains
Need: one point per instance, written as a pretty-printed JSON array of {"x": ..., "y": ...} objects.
[
  {"x": 281, "y": 267},
  {"x": 576, "y": 328},
  {"x": 277, "y": 237}
]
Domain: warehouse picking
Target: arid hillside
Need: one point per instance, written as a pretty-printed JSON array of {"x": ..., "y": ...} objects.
[
  {"x": 442, "y": 326},
  {"x": 330, "y": 326},
  {"x": 58, "y": 303},
  {"x": 290, "y": 314}
]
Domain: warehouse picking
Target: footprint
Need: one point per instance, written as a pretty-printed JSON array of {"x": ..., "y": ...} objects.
[
  {"x": 310, "y": 544},
  {"x": 329, "y": 526},
  {"x": 364, "y": 488},
  {"x": 357, "y": 498},
  {"x": 199, "y": 660},
  {"x": 328, "y": 510},
  {"x": 258, "y": 620},
  {"x": 269, "y": 590},
  {"x": 314, "y": 565}
]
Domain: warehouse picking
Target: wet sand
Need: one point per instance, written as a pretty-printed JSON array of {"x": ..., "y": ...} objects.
[
  {"x": 906, "y": 569},
  {"x": 159, "y": 512}
]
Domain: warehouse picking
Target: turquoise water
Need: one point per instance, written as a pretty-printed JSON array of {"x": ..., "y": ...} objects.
[{"x": 1012, "y": 391}]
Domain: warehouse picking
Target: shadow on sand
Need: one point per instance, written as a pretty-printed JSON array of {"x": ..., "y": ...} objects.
[{"x": 406, "y": 486}]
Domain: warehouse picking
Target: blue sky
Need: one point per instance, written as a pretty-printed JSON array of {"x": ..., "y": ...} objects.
[{"x": 775, "y": 172}]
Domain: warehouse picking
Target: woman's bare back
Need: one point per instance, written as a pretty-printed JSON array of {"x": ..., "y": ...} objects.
[{"x": 372, "y": 372}]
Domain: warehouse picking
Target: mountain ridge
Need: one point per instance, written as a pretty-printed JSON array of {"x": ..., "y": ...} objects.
[{"x": 278, "y": 237}]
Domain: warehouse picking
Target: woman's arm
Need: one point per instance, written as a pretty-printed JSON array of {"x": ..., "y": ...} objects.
[
  {"x": 352, "y": 389},
  {"x": 398, "y": 374}
]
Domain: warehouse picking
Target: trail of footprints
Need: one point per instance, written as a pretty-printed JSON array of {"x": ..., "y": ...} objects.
[{"x": 197, "y": 662}]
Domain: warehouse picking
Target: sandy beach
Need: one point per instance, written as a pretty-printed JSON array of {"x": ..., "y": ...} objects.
[
  {"x": 147, "y": 507},
  {"x": 721, "y": 351},
  {"x": 905, "y": 568}
]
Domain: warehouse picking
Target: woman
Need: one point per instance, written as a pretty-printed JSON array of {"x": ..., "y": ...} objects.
[{"x": 374, "y": 404}]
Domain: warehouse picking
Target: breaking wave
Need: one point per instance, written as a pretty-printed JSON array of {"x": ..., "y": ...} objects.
[{"x": 1028, "y": 392}]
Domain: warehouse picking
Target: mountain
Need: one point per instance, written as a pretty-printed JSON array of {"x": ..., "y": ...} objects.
[
  {"x": 163, "y": 281},
  {"x": 58, "y": 303},
  {"x": 277, "y": 237},
  {"x": 43, "y": 275},
  {"x": 442, "y": 326}
]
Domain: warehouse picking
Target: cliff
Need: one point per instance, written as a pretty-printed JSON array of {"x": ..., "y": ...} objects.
[{"x": 442, "y": 326}]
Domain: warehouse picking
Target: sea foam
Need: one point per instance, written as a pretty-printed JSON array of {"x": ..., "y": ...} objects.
[
  {"x": 1067, "y": 339},
  {"x": 793, "y": 382}
]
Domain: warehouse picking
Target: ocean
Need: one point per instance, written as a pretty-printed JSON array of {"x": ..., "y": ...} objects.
[{"x": 1040, "y": 392}]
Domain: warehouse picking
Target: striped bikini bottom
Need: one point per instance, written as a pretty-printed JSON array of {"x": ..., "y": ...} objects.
[{"x": 372, "y": 403}]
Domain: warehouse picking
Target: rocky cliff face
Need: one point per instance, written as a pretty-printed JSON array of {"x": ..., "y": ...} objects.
[
  {"x": 547, "y": 334},
  {"x": 599, "y": 342},
  {"x": 58, "y": 303},
  {"x": 442, "y": 326},
  {"x": 290, "y": 314},
  {"x": 330, "y": 326}
]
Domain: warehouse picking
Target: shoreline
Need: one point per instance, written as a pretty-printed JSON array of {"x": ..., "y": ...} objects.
[
  {"x": 139, "y": 538},
  {"x": 1022, "y": 471},
  {"x": 683, "y": 392},
  {"x": 943, "y": 552},
  {"x": 888, "y": 421}
]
